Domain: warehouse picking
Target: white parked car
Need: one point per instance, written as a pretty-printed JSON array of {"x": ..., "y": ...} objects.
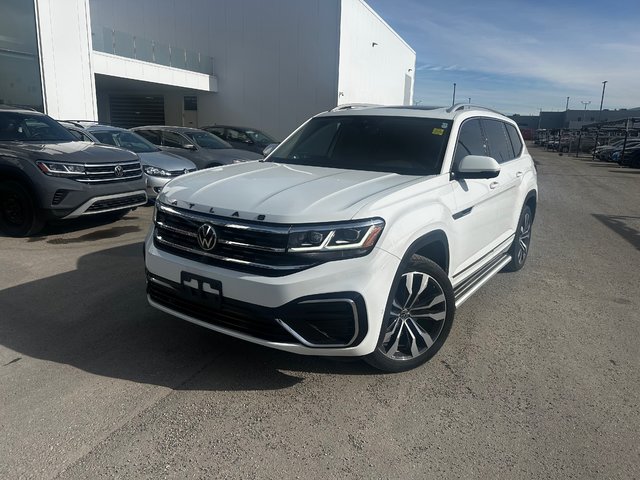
[{"x": 359, "y": 235}]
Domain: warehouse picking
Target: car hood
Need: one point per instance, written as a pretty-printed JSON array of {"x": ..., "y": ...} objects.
[
  {"x": 282, "y": 193},
  {"x": 75, "y": 152},
  {"x": 166, "y": 161}
]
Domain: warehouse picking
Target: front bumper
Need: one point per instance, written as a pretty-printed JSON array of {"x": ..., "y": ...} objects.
[{"x": 333, "y": 309}]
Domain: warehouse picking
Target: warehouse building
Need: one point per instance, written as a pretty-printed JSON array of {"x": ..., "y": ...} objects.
[{"x": 264, "y": 64}]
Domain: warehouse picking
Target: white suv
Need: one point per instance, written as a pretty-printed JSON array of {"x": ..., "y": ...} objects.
[{"x": 359, "y": 235}]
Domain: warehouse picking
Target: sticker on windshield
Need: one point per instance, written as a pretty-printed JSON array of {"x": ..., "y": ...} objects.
[
  {"x": 444, "y": 125},
  {"x": 437, "y": 131}
]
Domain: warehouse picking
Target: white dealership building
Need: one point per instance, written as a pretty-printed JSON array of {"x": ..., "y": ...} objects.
[{"x": 267, "y": 64}]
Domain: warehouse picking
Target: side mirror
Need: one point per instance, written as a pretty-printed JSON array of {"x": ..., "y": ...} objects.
[
  {"x": 248, "y": 141},
  {"x": 477, "y": 166},
  {"x": 189, "y": 146},
  {"x": 269, "y": 148}
]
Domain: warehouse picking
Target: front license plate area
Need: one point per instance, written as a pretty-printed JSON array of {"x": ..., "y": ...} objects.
[{"x": 201, "y": 289}]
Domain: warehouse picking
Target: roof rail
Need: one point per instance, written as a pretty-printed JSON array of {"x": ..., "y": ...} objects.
[
  {"x": 353, "y": 106},
  {"x": 470, "y": 106}
]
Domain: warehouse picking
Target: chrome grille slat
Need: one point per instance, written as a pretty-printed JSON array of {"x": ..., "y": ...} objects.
[
  {"x": 241, "y": 245},
  {"x": 105, "y": 172},
  {"x": 228, "y": 259}
]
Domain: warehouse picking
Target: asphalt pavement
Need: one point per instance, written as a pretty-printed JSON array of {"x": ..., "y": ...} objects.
[{"x": 540, "y": 377}]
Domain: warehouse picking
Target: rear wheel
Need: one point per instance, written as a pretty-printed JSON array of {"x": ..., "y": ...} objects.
[
  {"x": 19, "y": 214},
  {"x": 419, "y": 317},
  {"x": 520, "y": 248}
]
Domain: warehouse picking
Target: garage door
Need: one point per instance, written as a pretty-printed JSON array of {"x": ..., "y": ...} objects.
[{"x": 136, "y": 110}]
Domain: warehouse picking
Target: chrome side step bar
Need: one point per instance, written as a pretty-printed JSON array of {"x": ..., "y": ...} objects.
[{"x": 471, "y": 285}]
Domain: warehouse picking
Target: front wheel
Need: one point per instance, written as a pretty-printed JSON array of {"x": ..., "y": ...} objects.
[
  {"x": 19, "y": 213},
  {"x": 418, "y": 317},
  {"x": 520, "y": 247}
]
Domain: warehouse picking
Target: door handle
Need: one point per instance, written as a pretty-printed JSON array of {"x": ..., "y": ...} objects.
[
  {"x": 493, "y": 185},
  {"x": 519, "y": 174}
]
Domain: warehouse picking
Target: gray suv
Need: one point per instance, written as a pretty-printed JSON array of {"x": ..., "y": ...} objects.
[
  {"x": 45, "y": 174},
  {"x": 202, "y": 148}
]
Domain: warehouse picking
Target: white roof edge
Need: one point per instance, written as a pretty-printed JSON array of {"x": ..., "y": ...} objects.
[{"x": 368, "y": 7}]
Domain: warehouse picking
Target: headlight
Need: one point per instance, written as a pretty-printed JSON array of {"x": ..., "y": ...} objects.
[
  {"x": 156, "y": 172},
  {"x": 57, "y": 169},
  {"x": 340, "y": 240}
]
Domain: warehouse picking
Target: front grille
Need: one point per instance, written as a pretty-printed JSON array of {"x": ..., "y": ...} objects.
[
  {"x": 111, "y": 172},
  {"x": 115, "y": 203},
  {"x": 245, "y": 246},
  {"x": 255, "y": 321},
  {"x": 177, "y": 173}
]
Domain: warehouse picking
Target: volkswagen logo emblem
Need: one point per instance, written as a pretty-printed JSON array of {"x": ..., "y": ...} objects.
[
  {"x": 207, "y": 237},
  {"x": 118, "y": 171}
]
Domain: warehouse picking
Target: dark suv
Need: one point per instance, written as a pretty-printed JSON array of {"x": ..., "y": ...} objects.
[{"x": 46, "y": 174}]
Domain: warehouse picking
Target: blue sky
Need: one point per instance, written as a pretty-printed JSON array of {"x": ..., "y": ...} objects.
[{"x": 519, "y": 56}]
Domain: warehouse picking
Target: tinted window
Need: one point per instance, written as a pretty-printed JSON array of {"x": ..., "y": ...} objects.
[
  {"x": 126, "y": 140},
  {"x": 236, "y": 135},
  {"x": 27, "y": 127},
  {"x": 171, "y": 139},
  {"x": 260, "y": 137},
  {"x": 78, "y": 136},
  {"x": 216, "y": 131},
  {"x": 207, "y": 140},
  {"x": 499, "y": 144},
  {"x": 471, "y": 140},
  {"x": 515, "y": 139},
  {"x": 411, "y": 146},
  {"x": 153, "y": 136}
]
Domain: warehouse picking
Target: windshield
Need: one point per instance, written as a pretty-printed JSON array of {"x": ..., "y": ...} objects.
[
  {"x": 259, "y": 137},
  {"x": 127, "y": 140},
  {"x": 404, "y": 145},
  {"x": 26, "y": 127},
  {"x": 207, "y": 140}
]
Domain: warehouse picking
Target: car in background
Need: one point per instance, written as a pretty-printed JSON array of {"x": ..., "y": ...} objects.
[
  {"x": 628, "y": 159},
  {"x": 606, "y": 152},
  {"x": 159, "y": 166},
  {"x": 243, "y": 138},
  {"x": 46, "y": 174},
  {"x": 203, "y": 148}
]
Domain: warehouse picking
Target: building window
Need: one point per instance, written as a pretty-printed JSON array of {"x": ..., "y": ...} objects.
[
  {"x": 20, "y": 82},
  {"x": 579, "y": 119}
]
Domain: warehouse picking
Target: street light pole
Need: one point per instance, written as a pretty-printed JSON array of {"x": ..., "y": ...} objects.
[
  {"x": 469, "y": 100},
  {"x": 604, "y": 85},
  {"x": 567, "y": 107},
  {"x": 454, "y": 95}
]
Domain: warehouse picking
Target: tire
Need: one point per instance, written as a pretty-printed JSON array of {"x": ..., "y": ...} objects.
[
  {"x": 409, "y": 339},
  {"x": 19, "y": 213},
  {"x": 519, "y": 249}
]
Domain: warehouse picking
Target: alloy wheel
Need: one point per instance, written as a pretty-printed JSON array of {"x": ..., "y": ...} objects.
[
  {"x": 416, "y": 318},
  {"x": 524, "y": 237}
]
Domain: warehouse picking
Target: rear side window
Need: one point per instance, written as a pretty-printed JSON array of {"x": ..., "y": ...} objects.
[
  {"x": 498, "y": 140},
  {"x": 515, "y": 139},
  {"x": 471, "y": 140},
  {"x": 171, "y": 139},
  {"x": 152, "y": 135}
]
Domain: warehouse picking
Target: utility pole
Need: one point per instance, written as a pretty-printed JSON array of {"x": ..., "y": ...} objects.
[
  {"x": 469, "y": 100},
  {"x": 567, "y": 107},
  {"x": 454, "y": 95},
  {"x": 604, "y": 85}
]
